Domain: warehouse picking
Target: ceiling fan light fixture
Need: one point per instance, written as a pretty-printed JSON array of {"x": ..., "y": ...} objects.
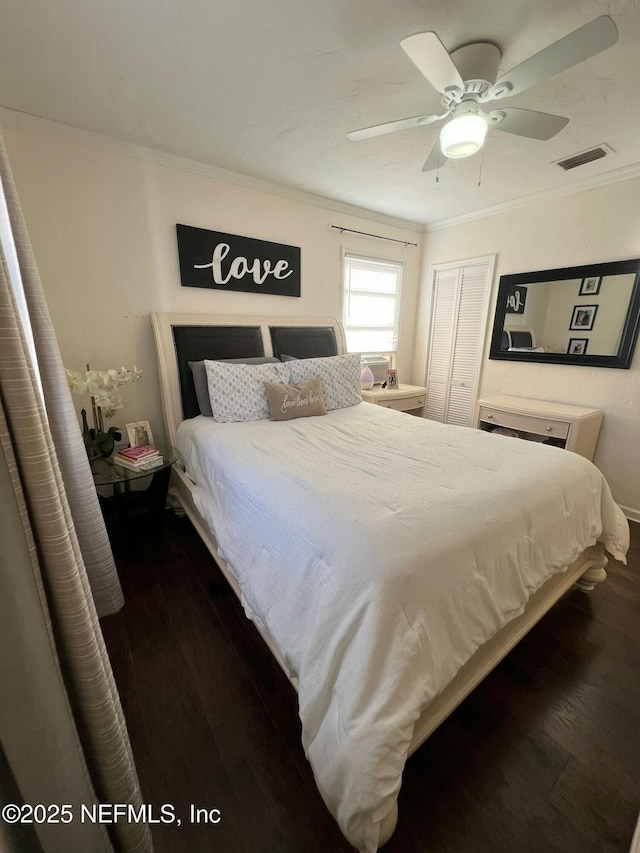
[{"x": 463, "y": 136}]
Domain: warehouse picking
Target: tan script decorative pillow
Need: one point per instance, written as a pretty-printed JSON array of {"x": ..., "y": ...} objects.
[{"x": 303, "y": 400}]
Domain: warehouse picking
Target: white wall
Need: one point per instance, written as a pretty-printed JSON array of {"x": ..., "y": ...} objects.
[
  {"x": 102, "y": 224},
  {"x": 612, "y": 301},
  {"x": 597, "y": 225}
]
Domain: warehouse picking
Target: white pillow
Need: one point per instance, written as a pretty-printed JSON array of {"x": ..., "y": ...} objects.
[
  {"x": 340, "y": 375},
  {"x": 236, "y": 391}
]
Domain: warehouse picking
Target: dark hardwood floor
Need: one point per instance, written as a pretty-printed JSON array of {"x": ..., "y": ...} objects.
[{"x": 543, "y": 756}]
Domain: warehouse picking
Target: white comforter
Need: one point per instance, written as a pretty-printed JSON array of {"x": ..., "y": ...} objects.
[{"x": 379, "y": 551}]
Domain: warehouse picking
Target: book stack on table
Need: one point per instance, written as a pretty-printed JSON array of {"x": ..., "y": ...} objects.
[{"x": 138, "y": 458}]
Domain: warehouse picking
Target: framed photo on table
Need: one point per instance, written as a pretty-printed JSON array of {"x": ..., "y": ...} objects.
[
  {"x": 583, "y": 318},
  {"x": 140, "y": 434},
  {"x": 392, "y": 379}
]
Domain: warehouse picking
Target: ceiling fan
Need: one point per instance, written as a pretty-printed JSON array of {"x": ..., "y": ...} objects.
[{"x": 467, "y": 81}]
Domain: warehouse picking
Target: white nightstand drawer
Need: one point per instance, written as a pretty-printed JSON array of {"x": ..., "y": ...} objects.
[
  {"x": 575, "y": 428},
  {"x": 406, "y": 398},
  {"x": 525, "y": 423},
  {"x": 403, "y": 404}
]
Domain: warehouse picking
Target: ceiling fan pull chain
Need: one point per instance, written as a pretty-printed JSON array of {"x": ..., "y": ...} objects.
[{"x": 481, "y": 162}]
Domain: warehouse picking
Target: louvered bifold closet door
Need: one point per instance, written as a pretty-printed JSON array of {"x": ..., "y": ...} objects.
[
  {"x": 443, "y": 315},
  {"x": 458, "y": 321},
  {"x": 467, "y": 344}
]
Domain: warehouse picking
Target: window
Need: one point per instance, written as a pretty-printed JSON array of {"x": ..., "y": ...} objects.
[
  {"x": 14, "y": 277},
  {"x": 371, "y": 304}
]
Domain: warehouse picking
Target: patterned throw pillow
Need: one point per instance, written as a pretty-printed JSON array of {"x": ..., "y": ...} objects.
[
  {"x": 304, "y": 400},
  {"x": 201, "y": 384},
  {"x": 340, "y": 376},
  {"x": 236, "y": 391}
]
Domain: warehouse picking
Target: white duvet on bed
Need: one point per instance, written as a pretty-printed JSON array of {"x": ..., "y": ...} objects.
[{"x": 379, "y": 550}]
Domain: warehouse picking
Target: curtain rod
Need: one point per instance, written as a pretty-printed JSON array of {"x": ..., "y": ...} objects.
[{"x": 377, "y": 236}]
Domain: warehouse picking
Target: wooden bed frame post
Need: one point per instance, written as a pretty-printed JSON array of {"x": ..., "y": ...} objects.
[{"x": 592, "y": 577}]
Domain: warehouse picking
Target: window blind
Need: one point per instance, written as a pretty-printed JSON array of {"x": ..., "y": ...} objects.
[{"x": 371, "y": 304}]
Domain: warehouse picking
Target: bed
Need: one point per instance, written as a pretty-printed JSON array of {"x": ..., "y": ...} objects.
[{"x": 388, "y": 562}]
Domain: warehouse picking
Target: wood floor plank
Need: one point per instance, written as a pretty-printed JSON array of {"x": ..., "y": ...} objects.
[
  {"x": 614, "y": 615},
  {"x": 633, "y": 657},
  {"x": 506, "y": 813},
  {"x": 599, "y": 810},
  {"x": 576, "y": 625},
  {"x": 481, "y": 727},
  {"x": 551, "y": 661},
  {"x": 185, "y": 766}
]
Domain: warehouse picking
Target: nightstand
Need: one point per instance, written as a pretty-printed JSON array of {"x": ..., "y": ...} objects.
[
  {"x": 127, "y": 504},
  {"x": 406, "y": 398},
  {"x": 571, "y": 427}
]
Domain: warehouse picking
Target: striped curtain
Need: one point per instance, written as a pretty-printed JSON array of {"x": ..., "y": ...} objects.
[
  {"x": 61, "y": 415},
  {"x": 70, "y": 738}
]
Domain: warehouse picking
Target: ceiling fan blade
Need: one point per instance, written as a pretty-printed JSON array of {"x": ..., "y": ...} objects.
[
  {"x": 435, "y": 160},
  {"x": 391, "y": 127},
  {"x": 430, "y": 56},
  {"x": 527, "y": 123},
  {"x": 579, "y": 45}
]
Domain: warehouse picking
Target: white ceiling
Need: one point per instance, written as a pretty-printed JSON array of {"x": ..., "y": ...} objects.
[{"x": 270, "y": 88}]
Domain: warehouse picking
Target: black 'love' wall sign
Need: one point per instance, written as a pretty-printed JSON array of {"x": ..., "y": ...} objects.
[{"x": 228, "y": 262}]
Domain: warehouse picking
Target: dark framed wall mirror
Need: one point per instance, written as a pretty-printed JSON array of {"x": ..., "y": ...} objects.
[{"x": 587, "y": 315}]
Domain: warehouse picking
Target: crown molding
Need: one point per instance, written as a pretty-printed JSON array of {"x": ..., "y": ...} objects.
[
  {"x": 624, "y": 173},
  {"x": 26, "y": 121}
]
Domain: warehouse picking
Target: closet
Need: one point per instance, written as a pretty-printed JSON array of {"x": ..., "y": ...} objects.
[{"x": 457, "y": 328}]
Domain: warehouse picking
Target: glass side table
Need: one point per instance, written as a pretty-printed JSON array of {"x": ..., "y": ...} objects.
[{"x": 126, "y": 504}]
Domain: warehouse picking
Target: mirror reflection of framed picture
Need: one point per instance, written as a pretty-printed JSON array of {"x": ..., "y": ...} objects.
[
  {"x": 577, "y": 346},
  {"x": 516, "y": 301},
  {"x": 590, "y": 286},
  {"x": 583, "y": 317}
]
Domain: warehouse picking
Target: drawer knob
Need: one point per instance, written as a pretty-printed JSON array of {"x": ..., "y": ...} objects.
[
  {"x": 548, "y": 429},
  {"x": 489, "y": 417}
]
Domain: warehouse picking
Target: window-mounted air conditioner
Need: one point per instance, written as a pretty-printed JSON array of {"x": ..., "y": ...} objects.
[{"x": 378, "y": 366}]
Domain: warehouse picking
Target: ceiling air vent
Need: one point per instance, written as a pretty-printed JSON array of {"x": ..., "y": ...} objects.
[{"x": 584, "y": 157}]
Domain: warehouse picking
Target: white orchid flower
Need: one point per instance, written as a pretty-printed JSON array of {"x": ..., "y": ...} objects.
[{"x": 102, "y": 385}]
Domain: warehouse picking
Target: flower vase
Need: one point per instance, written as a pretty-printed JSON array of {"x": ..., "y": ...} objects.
[
  {"x": 106, "y": 444},
  {"x": 106, "y": 441},
  {"x": 90, "y": 445}
]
